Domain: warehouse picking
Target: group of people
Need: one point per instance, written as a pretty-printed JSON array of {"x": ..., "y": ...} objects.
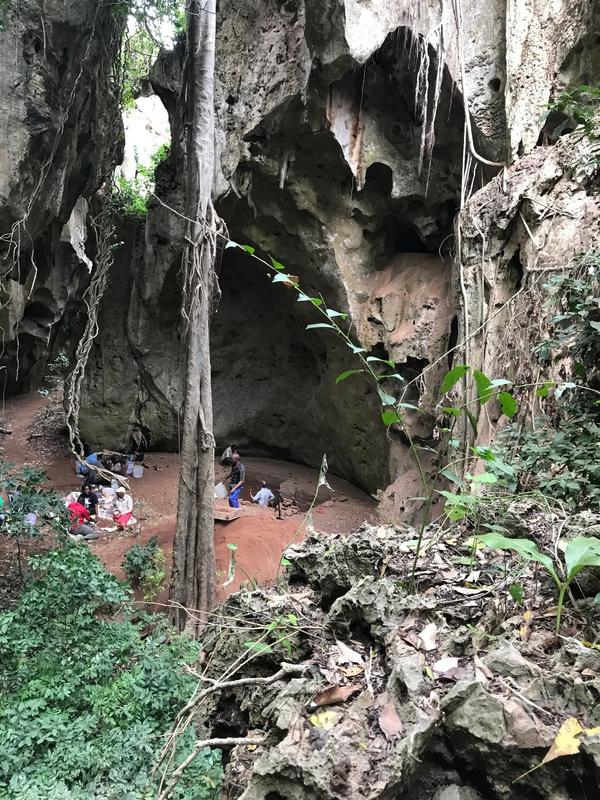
[
  {"x": 237, "y": 478},
  {"x": 83, "y": 508}
]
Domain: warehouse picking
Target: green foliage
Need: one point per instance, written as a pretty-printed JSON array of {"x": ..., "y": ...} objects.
[
  {"x": 581, "y": 552},
  {"x": 580, "y": 104},
  {"x": 560, "y": 457},
  {"x": 561, "y": 463},
  {"x": 3, "y": 12},
  {"x": 88, "y": 699},
  {"x": 144, "y": 566},
  {"x": 149, "y": 23},
  {"x": 575, "y": 329},
  {"x": 130, "y": 197},
  {"x": 281, "y": 629}
]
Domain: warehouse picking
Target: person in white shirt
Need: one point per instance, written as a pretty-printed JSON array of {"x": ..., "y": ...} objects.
[
  {"x": 264, "y": 495},
  {"x": 123, "y": 508}
]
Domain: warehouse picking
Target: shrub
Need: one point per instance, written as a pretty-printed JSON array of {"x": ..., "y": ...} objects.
[
  {"x": 87, "y": 699},
  {"x": 144, "y": 565}
]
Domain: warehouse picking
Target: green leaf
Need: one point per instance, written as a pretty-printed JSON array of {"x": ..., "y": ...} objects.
[
  {"x": 472, "y": 419},
  {"x": 451, "y": 411},
  {"x": 595, "y": 325},
  {"x": 281, "y": 277},
  {"x": 303, "y": 298},
  {"x": 248, "y": 249},
  {"x": 387, "y": 361},
  {"x": 356, "y": 349},
  {"x": 314, "y": 325},
  {"x": 231, "y": 243},
  {"x": 258, "y": 647},
  {"x": 451, "y": 476},
  {"x": 452, "y": 377},
  {"x": 343, "y": 375},
  {"x": 484, "y": 386},
  {"x": 232, "y": 546},
  {"x": 276, "y": 264},
  {"x": 485, "y": 477},
  {"x": 486, "y": 453},
  {"x": 544, "y": 390},
  {"x": 581, "y": 552},
  {"x": 390, "y": 417},
  {"x": 285, "y": 562},
  {"x": 523, "y": 547},
  {"x": 331, "y": 314},
  {"x": 508, "y": 404},
  {"x": 410, "y": 407},
  {"x": 500, "y": 382},
  {"x": 515, "y": 590},
  {"x": 392, "y": 376},
  {"x": 458, "y": 499},
  {"x": 316, "y": 301},
  {"x": 386, "y": 399}
]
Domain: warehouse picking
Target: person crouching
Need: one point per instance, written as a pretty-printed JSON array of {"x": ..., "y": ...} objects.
[{"x": 123, "y": 508}]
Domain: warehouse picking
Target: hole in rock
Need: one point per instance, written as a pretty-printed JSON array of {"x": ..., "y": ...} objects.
[
  {"x": 379, "y": 179},
  {"x": 40, "y": 313},
  {"x": 494, "y": 84}
]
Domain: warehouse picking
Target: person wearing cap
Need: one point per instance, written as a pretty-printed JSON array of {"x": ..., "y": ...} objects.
[
  {"x": 236, "y": 480},
  {"x": 123, "y": 508}
]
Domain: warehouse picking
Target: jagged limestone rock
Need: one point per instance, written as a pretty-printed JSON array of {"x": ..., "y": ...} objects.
[{"x": 61, "y": 134}]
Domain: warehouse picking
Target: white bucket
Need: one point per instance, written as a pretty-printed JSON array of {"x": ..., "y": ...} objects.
[
  {"x": 130, "y": 465},
  {"x": 220, "y": 490},
  {"x": 138, "y": 471}
]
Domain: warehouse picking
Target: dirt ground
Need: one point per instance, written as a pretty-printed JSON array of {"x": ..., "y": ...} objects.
[{"x": 38, "y": 438}]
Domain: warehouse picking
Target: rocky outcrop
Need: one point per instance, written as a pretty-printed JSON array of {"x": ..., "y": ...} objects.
[
  {"x": 517, "y": 233},
  {"x": 405, "y": 683},
  {"x": 60, "y": 129},
  {"x": 341, "y": 128}
]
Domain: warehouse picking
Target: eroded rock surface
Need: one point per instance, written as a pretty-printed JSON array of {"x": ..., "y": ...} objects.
[
  {"x": 427, "y": 693},
  {"x": 60, "y": 134}
]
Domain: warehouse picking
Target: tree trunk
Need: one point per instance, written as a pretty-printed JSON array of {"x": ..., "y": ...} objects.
[{"x": 192, "y": 582}]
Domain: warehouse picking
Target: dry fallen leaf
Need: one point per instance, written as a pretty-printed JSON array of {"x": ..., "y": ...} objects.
[
  {"x": 351, "y": 672},
  {"x": 428, "y": 637},
  {"x": 482, "y": 673},
  {"x": 350, "y": 655},
  {"x": 389, "y": 721},
  {"x": 567, "y": 742},
  {"x": 324, "y": 719},
  {"x": 445, "y": 667},
  {"x": 525, "y": 629},
  {"x": 336, "y": 694}
]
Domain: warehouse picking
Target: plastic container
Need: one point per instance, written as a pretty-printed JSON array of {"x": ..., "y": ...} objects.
[
  {"x": 220, "y": 490},
  {"x": 130, "y": 466},
  {"x": 138, "y": 471}
]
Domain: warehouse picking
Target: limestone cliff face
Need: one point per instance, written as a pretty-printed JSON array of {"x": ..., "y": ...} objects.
[
  {"x": 60, "y": 133},
  {"x": 341, "y": 130}
]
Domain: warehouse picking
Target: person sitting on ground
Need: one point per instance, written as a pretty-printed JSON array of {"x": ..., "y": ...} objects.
[
  {"x": 89, "y": 499},
  {"x": 78, "y": 515},
  {"x": 123, "y": 508},
  {"x": 236, "y": 480},
  {"x": 264, "y": 495},
  {"x": 227, "y": 457}
]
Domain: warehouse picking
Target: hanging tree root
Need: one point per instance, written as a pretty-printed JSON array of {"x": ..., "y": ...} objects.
[{"x": 103, "y": 229}]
